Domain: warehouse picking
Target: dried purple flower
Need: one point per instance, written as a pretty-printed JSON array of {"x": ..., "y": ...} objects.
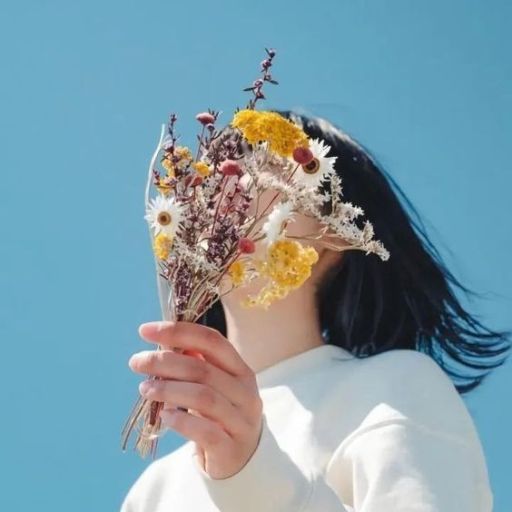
[
  {"x": 302, "y": 155},
  {"x": 205, "y": 118},
  {"x": 266, "y": 64},
  {"x": 246, "y": 245},
  {"x": 230, "y": 168}
]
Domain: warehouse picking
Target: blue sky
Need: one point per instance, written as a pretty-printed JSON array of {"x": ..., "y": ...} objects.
[{"x": 85, "y": 88}]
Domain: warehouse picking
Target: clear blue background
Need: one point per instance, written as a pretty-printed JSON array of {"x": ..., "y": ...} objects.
[{"x": 85, "y": 87}]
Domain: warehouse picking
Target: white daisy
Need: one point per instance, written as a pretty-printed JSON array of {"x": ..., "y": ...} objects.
[
  {"x": 273, "y": 227},
  {"x": 164, "y": 215},
  {"x": 320, "y": 168}
]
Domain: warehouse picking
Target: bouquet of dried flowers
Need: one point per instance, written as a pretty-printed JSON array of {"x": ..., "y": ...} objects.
[{"x": 201, "y": 229}]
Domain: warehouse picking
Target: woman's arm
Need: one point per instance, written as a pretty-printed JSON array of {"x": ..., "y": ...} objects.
[{"x": 271, "y": 482}]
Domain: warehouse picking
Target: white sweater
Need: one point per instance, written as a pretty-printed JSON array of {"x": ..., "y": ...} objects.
[{"x": 388, "y": 433}]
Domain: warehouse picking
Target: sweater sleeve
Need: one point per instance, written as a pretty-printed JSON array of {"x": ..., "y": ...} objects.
[
  {"x": 402, "y": 466},
  {"x": 270, "y": 481}
]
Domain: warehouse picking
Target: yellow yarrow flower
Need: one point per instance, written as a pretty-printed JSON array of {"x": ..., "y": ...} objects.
[
  {"x": 267, "y": 295},
  {"x": 282, "y": 134},
  {"x": 183, "y": 158},
  {"x": 184, "y": 155},
  {"x": 287, "y": 266},
  {"x": 237, "y": 272},
  {"x": 164, "y": 188},
  {"x": 169, "y": 167},
  {"x": 289, "y": 263},
  {"x": 182, "y": 152},
  {"x": 162, "y": 246},
  {"x": 202, "y": 168}
]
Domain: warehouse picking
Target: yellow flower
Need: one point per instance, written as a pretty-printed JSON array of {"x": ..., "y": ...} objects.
[
  {"x": 164, "y": 188},
  {"x": 287, "y": 266},
  {"x": 289, "y": 263},
  {"x": 162, "y": 246},
  {"x": 265, "y": 297},
  {"x": 179, "y": 159},
  {"x": 169, "y": 167},
  {"x": 237, "y": 272},
  {"x": 282, "y": 134},
  {"x": 184, "y": 155},
  {"x": 202, "y": 168}
]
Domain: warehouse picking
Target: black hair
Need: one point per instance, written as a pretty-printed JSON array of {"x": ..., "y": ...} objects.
[{"x": 368, "y": 306}]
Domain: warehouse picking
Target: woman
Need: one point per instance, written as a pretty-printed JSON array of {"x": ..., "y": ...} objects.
[{"x": 343, "y": 396}]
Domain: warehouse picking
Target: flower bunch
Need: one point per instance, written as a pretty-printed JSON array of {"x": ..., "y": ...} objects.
[{"x": 204, "y": 233}]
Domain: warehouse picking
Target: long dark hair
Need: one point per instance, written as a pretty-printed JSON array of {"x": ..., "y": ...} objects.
[{"x": 368, "y": 306}]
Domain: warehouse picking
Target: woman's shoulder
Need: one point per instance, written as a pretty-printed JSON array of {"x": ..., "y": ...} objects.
[
  {"x": 407, "y": 371},
  {"x": 407, "y": 422},
  {"x": 394, "y": 362},
  {"x": 408, "y": 385}
]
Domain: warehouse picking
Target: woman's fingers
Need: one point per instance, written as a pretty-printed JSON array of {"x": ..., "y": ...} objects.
[
  {"x": 208, "y": 402},
  {"x": 208, "y": 341},
  {"x": 222, "y": 387},
  {"x": 172, "y": 365},
  {"x": 210, "y": 379},
  {"x": 206, "y": 433}
]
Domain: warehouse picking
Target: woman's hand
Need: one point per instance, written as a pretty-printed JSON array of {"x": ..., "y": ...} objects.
[{"x": 219, "y": 389}]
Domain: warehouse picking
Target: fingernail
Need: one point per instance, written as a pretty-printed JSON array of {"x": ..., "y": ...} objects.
[
  {"x": 133, "y": 359},
  {"x": 144, "y": 387},
  {"x": 163, "y": 324},
  {"x": 156, "y": 326}
]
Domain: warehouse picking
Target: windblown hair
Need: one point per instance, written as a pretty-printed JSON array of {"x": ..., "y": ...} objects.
[{"x": 368, "y": 306}]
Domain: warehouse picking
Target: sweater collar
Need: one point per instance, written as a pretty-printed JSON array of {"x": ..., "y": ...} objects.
[{"x": 282, "y": 371}]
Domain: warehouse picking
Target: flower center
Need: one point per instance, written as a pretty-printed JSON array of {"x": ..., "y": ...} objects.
[
  {"x": 164, "y": 218},
  {"x": 312, "y": 167}
]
